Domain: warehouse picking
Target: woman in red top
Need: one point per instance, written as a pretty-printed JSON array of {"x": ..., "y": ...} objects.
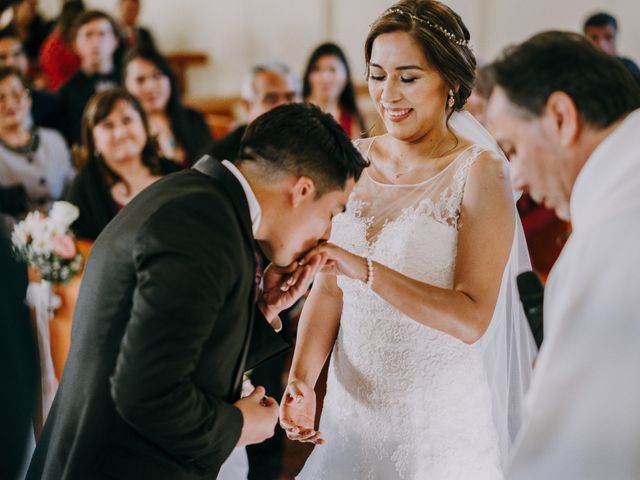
[
  {"x": 58, "y": 61},
  {"x": 327, "y": 84}
]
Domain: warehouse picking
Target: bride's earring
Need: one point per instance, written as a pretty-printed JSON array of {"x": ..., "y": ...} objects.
[{"x": 451, "y": 101}]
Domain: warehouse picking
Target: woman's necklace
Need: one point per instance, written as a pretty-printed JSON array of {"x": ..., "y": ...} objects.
[
  {"x": 124, "y": 192},
  {"x": 27, "y": 150},
  {"x": 397, "y": 175}
]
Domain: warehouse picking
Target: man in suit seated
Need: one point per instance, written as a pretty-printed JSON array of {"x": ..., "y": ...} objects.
[
  {"x": 96, "y": 41},
  {"x": 265, "y": 86},
  {"x": 601, "y": 29},
  {"x": 174, "y": 308}
]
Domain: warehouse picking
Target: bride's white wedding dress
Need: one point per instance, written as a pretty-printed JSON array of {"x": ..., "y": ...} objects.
[{"x": 404, "y": 401}]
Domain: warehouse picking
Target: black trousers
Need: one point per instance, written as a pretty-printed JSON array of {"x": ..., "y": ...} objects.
[{"x": 265, "y": 459}]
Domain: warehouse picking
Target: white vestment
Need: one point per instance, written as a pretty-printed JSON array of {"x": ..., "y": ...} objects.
[{"x": 583, "y": 406}]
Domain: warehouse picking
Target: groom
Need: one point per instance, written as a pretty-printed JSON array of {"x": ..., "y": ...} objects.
[{"x": 171, "y": 313}]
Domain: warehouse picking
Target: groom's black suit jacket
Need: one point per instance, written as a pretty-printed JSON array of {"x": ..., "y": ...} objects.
[{"x": 162, "y": 329}]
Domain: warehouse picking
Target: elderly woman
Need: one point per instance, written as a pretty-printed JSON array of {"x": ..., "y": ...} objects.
[
  {"x": 121, "y": 160},
  {"x": 35, "y": 164}
]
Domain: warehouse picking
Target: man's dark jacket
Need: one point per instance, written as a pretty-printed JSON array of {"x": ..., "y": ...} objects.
[{"x": 162, "y": 329}]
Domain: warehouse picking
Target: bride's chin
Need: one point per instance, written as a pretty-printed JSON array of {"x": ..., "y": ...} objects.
[{"x": 401, "y": 134}]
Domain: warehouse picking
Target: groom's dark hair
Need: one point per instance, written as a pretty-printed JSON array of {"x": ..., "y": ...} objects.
[{"x": 299, "y": 139}]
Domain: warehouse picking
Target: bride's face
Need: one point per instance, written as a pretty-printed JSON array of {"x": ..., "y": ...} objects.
[{"x": 410, "y": 95}]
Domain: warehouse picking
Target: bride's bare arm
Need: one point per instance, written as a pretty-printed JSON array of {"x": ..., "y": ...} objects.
[
  {"x": 316, "y": 334},
  {"x": 317, "y": 329},
  {"x": 487, "y": 226}
]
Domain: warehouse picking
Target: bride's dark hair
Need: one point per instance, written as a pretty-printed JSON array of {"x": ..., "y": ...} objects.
[{"x": 441, "y": 34}]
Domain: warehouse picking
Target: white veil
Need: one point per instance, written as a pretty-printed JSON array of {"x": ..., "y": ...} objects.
[{"x": 508, "y": 346}]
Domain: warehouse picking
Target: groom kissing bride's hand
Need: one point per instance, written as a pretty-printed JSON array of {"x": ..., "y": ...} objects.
[
  {"x": 171, "y": 313},
  {"x": 283, "y": 286}
]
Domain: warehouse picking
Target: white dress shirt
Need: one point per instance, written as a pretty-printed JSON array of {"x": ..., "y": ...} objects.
[{"x": 255, "y": 212}]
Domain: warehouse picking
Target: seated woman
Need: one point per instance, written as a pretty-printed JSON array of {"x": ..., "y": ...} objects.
[
  {"x": 182, "y": 133},
  {"x": 58, "y": 59},
  {"x": 327, "y": 84},
  {"x": 35, "y": 165},
  {"x": 121, "y": 160}
]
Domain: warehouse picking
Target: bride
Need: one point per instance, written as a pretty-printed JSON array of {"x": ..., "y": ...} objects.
[{"x": 430, "y": 351}]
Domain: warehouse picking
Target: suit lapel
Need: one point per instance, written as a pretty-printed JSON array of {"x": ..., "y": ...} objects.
[{"x": 214, "y": 169}]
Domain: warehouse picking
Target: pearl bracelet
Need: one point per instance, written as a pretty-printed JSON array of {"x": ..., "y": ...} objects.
[{"x": 370, "y": 273}]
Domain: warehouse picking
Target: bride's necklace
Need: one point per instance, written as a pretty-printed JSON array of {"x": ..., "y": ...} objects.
[{"x": 397, "y": 175}]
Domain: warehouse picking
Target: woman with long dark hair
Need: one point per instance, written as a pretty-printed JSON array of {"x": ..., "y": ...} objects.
[
  {"x": 327, "y": 84},
  {"x": 181, "y": 133},
  {"x": 121, "y": 160}
]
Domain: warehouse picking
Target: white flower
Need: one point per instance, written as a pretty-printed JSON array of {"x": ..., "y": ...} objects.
[
  {"x": 32, "y": 222},
  {"x": 63, "y": 214},
  {"x": 20, "y": 235},
  {"x": 41, "y": 246}
]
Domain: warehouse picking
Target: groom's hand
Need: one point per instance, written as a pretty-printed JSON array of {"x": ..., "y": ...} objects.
[
  {"x": 283, "y": 286},
  {"x": 297, "y": 413},
  {"x": 260, "y": 414}
]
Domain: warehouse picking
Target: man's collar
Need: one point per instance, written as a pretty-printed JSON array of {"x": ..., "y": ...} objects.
[
  {"x": 254, "y": 207},
  {"x": 600, "y": 185}
]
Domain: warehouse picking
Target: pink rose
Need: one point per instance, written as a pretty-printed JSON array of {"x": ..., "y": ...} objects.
[{"x": 64, "y": 246}]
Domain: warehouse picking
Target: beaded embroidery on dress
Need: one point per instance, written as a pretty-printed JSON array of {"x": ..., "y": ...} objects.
[{"x": 404, "y": 401}]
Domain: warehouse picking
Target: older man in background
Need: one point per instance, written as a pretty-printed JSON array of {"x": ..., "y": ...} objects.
[
  {"x": 568, "y": 117},
  {"x": 133, "y": 34},
  {"x": 265, "y": 87}
]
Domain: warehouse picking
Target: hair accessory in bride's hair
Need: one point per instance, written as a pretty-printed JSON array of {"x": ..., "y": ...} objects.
[{"x": 453, "y": 38}]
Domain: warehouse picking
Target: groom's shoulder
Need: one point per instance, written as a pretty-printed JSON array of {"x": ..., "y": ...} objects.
[
  {"x": 188, "y": 188},
  {"x": 183, "y": 200}
]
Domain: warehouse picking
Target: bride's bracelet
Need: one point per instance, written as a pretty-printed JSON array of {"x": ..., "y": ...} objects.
[{"x": 370, "y": 273}]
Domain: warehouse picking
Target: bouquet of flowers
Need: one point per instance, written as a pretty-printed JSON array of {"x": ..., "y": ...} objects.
[{"x": 45, "y": 243}]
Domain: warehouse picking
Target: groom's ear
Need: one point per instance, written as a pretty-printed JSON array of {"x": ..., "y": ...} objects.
[{"x": 303, "y": 189}]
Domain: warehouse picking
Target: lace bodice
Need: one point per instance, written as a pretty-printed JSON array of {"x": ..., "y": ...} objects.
[{"x": 404, "y": 400}]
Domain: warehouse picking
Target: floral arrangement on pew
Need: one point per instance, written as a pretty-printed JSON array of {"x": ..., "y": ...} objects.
[{"x": 46, "y": 243}]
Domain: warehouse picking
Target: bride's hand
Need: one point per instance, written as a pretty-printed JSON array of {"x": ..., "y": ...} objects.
[
  {"x": 297, "y": 413},
  {"x": 283, "y": 286},
  {"x": 339, "y": 261}
]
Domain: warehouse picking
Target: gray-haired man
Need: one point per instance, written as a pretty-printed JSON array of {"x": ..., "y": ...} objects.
[{"x": 264, "y": 87}]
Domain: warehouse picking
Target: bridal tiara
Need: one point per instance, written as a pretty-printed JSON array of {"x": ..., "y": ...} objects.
[{"x": 453, "y": 38}]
